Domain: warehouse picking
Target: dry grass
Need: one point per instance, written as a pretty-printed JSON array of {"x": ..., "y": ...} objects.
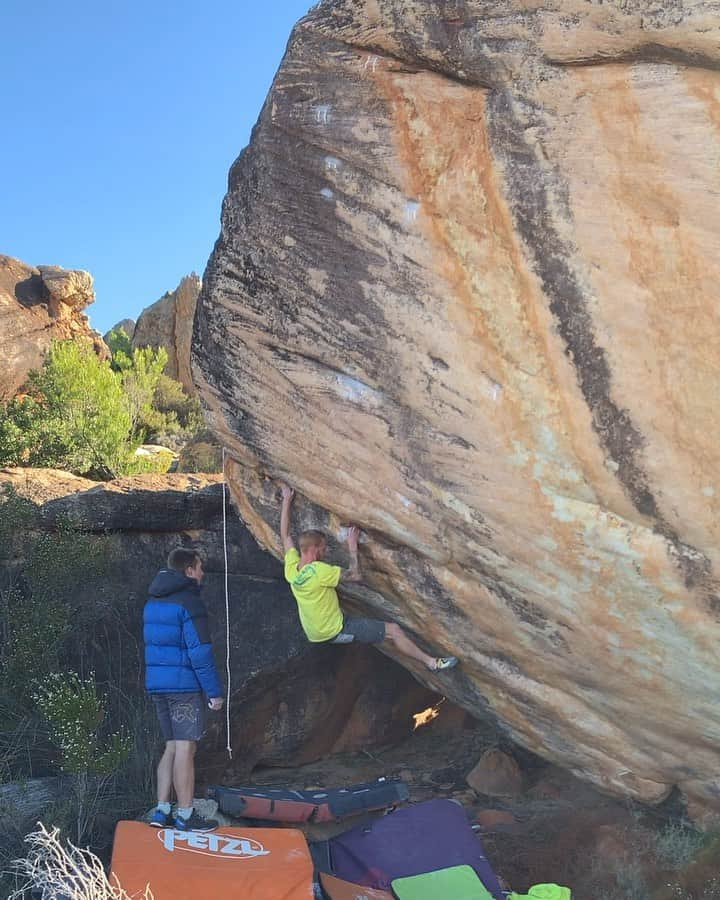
[{"x": 61, "y": 871}]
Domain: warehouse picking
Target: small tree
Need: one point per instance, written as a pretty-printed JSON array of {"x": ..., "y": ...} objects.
[
  {"x": 172, "y": 400},
  {"x": 120, "y": 348},
  {"x": 140, "y": 376},
  {"x": 160, "y": 407}
]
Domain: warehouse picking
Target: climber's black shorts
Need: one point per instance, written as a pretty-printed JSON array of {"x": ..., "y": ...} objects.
[
  {"x": 364, "y": 631},
  {"x": 181, "y": 716}
]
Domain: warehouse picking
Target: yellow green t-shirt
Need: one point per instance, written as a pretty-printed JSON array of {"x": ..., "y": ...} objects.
[{"x": 313, "y": 587}]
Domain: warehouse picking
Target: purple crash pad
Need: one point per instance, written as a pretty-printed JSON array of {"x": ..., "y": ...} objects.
[{"x": 420, "y": 838}]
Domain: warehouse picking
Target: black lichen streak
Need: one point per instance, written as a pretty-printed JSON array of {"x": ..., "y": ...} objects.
[
  {"x": 650, "y": 53},
  {"x": 525, "y": 610},
  {"x": 530, "y": 196},
  {"x": 530, "y": 201}
]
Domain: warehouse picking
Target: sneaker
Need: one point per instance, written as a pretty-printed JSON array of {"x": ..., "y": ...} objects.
[
  {"x": 445, "y": 662},
  {"x": 194, "y": 823},
  {"x": 159, "y": 819}
]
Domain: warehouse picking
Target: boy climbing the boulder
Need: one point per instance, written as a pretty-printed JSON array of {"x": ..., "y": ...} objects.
[{"x": 313, "y": 583}]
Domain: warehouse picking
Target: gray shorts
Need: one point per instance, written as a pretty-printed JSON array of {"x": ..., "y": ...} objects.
[
  {"x": 181, "y": 716},
  {"x": 364, "y": 631}
]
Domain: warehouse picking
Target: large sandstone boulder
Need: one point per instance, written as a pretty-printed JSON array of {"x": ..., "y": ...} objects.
[
  {"x": 168, "y": 323},
  {"x": 465, "y": 294},
  {"x": 290, "y": 702},
  {"x": 37, "y": 306}
]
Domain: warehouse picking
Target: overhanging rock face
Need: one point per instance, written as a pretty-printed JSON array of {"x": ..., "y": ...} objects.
[{"x": 466, "y": 295}]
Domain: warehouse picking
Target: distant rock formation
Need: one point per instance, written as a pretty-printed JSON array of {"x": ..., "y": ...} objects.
[
  {"x": 466, "y": 295},
  {"x": 168, "y": 323},
  {"x": 38, "y": 305},
  {"x": 126, "y": 325}
]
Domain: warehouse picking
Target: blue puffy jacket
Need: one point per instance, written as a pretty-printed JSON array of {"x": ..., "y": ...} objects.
[{"x": 178, "y": 652}]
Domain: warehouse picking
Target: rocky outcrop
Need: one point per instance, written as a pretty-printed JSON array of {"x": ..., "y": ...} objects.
[
  {"x": 465, "y": 294},
  {"x": 168, "y": 323},
  {"x": 37, "y": 306},
  {"x": 290, "y": 702},
  {"x": 496, "y": 774}
]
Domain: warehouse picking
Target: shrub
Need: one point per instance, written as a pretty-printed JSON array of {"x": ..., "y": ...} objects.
[
  {"x": 159, "y": 405},
  {"x": 75, "y": 416},
  {"x": 172, "y": 401},
  {"x": 120, "y": 348},
  {"x": 36, "y": 633},
  {"x": 140, "y": 374},
  {"x": 88, "y": 415},
  {"x": 76, "y": 717}
]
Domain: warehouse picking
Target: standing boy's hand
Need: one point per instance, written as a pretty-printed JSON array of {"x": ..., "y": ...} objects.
[{"x": 288, "y": 494}]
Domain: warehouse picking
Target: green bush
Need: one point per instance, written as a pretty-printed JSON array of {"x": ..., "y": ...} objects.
[
  {"x": 162, "y": 411},
  {"x": 89, "y": 415},
  {"x": 172, "y": 401},
  {"x": 119, "y": 346},
  {"x": 75, "y": 416},
  {"x": 140, "y": 374}
]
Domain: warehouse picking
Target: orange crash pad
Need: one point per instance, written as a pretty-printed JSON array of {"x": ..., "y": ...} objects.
[{"x": 225, "y": 864}]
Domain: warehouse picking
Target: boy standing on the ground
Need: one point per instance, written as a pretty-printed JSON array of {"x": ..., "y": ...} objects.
[
  {"x": 313, "y": 583},
  {"x": 179, "y": 673}
]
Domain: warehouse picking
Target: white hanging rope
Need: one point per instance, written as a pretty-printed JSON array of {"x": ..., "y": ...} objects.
[{"x": 228, "y": 747}]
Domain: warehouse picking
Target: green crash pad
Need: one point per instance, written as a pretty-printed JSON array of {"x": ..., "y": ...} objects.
[
  {"x": 544, "y": 892},
  {"x": 458, "y": 882}
]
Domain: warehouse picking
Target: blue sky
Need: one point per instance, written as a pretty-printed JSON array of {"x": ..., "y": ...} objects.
[{"x": 121, "y": 119}]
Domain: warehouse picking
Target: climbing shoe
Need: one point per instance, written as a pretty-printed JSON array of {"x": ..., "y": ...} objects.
[
  {"x": 444, "y": 662},
  {"x": 159, "y": 819},
  {"x": 194, "y": 823}
]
